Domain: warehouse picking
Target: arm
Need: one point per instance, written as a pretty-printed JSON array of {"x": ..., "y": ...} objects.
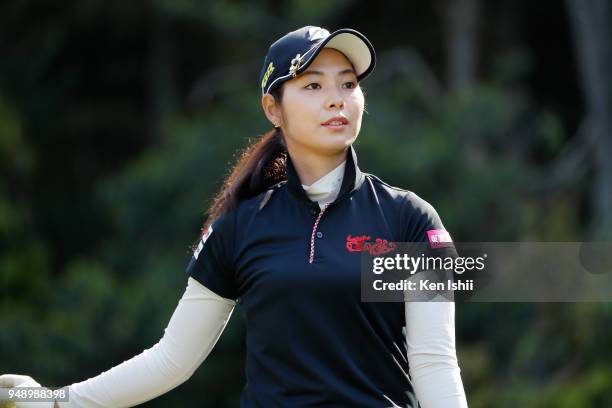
[
  {"x": 193, "y": 330},
  {"x": 430, "y": 340}
]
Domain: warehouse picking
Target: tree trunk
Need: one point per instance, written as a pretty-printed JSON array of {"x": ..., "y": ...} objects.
[
  {"x": 592, "y": 28},
  {"x": 461, "y": 42},
  {"x": 161, "y": 82}
]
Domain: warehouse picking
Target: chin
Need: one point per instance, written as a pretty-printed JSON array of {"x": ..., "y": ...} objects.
[{"x": 335, "y": 146}]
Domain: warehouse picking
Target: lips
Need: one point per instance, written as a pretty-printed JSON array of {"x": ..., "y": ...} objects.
[{"x": 336, "y": 121}]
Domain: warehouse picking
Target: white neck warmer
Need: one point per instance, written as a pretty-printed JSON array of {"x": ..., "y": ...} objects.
[{"x": 326, "y": 189}]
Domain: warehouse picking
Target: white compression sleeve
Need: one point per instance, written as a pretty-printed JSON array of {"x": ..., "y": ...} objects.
[
  {"x": 193, "y": 330},
  {"x": 430, "y": 339}
]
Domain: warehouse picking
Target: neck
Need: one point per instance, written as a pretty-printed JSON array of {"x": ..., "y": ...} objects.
[{"x": 310, "y": 167}]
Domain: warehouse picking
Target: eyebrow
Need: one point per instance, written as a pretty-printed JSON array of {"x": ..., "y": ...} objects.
[{"x": 319, "y": 73}]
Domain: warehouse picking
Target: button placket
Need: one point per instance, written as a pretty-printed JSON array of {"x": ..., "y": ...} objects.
[{"x": 314, "y": 233}]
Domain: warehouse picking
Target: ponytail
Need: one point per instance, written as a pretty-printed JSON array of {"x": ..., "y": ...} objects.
[{"x": 261, "y": 165}]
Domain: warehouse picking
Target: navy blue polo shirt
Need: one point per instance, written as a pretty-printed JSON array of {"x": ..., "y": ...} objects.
[{"x": 310, "y": 340}]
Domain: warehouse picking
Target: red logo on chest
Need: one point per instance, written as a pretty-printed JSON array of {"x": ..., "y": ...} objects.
[{"x": 361, "y": 243}]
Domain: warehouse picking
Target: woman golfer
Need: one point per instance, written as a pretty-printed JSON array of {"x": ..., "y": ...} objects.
[{"x": 284, "y": 238}]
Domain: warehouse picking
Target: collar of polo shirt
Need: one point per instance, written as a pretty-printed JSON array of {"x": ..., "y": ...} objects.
[{"x": 351, "y": 180}]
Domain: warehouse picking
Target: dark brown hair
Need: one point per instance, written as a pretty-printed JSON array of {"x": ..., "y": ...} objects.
[{"x": 260, "y": 165}]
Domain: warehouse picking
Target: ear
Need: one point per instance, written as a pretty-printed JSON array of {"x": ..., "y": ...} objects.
[{"x": 272, "y": 109}]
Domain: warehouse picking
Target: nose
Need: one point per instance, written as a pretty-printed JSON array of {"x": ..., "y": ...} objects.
[{"x": 335, "y": 100}]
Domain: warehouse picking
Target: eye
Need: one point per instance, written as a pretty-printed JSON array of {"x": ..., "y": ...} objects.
[
  {"x": 349, "y": 85},
  {"x": 313, "y": 85}
]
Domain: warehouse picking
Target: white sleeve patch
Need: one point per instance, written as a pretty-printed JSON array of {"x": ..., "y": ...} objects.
[{"x": 202, "y": 241}]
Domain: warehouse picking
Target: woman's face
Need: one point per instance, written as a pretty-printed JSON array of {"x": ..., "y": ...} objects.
[{"x": 321, "y": 109}]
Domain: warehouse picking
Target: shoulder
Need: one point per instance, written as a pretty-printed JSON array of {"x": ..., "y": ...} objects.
[
  {"x": 247, "y": 209},
  {"x": 405, "y": 197},
  {"x": 414, "y": 208},
  {"x": 231, "y": 226},
  {"x": 256, "y": 203}
]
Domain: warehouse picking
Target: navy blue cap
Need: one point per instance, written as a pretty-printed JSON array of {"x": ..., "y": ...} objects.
[{"x": 294, "y": 52}]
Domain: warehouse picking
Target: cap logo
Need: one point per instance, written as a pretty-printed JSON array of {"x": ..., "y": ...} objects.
[
  {"x": 266, "y": 76},
  {"x": 295, "y": 65}
]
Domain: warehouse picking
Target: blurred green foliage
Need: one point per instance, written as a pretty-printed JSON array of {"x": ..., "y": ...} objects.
[{"x": 115, "y": 134}]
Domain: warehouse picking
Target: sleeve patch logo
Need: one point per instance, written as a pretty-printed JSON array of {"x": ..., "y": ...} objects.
[
  {"x": 202, "y": 241},
  {"x": 439, "y": 239}
]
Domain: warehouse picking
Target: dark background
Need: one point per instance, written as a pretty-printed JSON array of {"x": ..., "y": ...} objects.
[{"x": 119, "y": 120}]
